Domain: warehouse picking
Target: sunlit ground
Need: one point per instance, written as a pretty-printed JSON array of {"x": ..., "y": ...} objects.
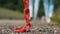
[{"x": 7, "y": 26}]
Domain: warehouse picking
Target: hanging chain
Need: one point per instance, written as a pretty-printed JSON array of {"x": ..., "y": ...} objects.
[{"x": 26, "y": 10}]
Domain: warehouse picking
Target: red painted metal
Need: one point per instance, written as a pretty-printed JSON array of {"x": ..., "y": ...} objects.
[{"x": 27, "y": 25}]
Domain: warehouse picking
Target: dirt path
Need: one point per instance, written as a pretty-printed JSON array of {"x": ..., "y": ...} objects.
[{"x": 7, "y": 26}]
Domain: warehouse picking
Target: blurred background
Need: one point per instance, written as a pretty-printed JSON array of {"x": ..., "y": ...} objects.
[{"x": 13, "y": 9}]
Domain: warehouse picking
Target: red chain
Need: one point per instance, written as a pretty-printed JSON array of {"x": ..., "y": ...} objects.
[
  {"x": 27, "y": 25},
  {"x": 26, "y": 9}
]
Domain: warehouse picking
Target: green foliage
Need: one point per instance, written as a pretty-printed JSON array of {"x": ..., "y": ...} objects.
[
  {"x": 56, "y": 17},
  {"x": 19, "y": 5},
  {"x": 9, "y": 4}
]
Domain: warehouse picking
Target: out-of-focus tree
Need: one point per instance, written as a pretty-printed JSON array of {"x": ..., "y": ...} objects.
[{"x": 19, "y": 5}]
